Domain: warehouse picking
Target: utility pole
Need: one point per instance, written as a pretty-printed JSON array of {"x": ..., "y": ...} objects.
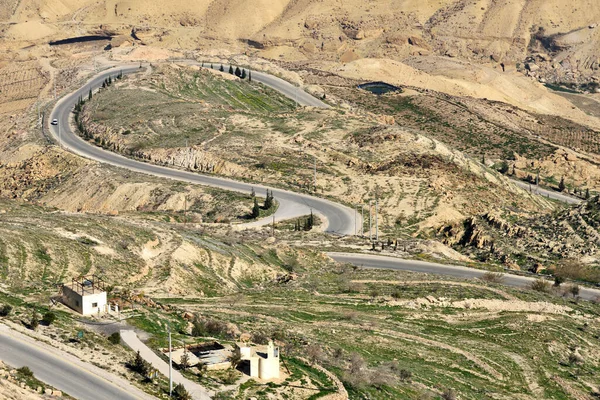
[
  {"x": 370, "y": 216},
  {"x": 362, "y": 220},
  {"x": 315, "y": 173},
  {"x": 355, "y": 216},
  {"x": 376, "y": 220},
  {"x": 170, "y": 366}
]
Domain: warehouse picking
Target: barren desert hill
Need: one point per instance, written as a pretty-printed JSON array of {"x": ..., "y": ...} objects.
[
  {"x": 469, "y": 29},
  {"x": 501, "y": 50}
]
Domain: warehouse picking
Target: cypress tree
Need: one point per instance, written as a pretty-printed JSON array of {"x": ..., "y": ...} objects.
[
  {"x": 222, "y": 69},
  {"x": 243, "y": 74},
  {"x": 90, "y": 95},
  {"x": 255, "y": 210},
  {"x": 109, "y": 80},
  {"x": 231, "y": 70},
  {"x": 249, "y": 75},
  {"x": 238, "y": 72},
  {"x": 268, "y": 200},
  {"x": 561, "y": 185},
  {"x": 587, "y": 193}
]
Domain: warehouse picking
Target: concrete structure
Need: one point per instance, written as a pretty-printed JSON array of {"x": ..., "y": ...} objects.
[
  {"x": 86, "y": 295},
  {"x": 264, "y": 360},
  {"x": 213, "y": 355}
]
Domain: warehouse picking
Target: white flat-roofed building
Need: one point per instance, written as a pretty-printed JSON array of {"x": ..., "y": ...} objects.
[{"x": 86, "y": 295}]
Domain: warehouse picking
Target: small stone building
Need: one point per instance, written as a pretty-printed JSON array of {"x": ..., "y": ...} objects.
[
  {"x": 264, "y": 360},
  {"x": 86, "y": 295}
]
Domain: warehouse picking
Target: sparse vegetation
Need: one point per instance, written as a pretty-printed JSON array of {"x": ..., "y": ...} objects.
[{"x": 541, "y": 285}]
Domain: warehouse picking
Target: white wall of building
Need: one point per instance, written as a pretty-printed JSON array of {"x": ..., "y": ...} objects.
[{"x": 92, "y": 303}]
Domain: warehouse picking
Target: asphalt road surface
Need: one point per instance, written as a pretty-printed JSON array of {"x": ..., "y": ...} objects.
[
  {"x": 63, "y": 371},
  {"x": 382, "y": 262},
  {"x": 547, "y": 193},
  {"x": 338, "y": 219}
]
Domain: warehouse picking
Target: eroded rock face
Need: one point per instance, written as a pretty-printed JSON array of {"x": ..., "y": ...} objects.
[{"x": 534, "y": 241}]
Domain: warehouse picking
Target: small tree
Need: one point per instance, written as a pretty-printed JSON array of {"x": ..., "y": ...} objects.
[
  {"x": 449, "y": 394},
  {"x": 90, "y": 95},
  {"x": 314, "y": 353},
  {"x": 35, "y": 320},
  {"x": 184, "y": 362},
  {"x": 5, "y": 310},
  {"x": 561, "y": 185},
  {"x": 503, "y": 168},
  {"x": 231, "y": 70},
  {"x": 49, "y": 318},
  {"x": 115, "y": 338},
  {"x": 255, "y": 210},
  {"x": 249, "y": 76},
  {"x": 558, "y": 280},
  {"x": 310, "y": 222},
  {"x": 221, "y": 69},
  {"x": 140, "y": 365},
  {"x": 587, "y": 193},
  {"x": 109, "y": 80},
  {"x": 513, "y": 170},
  {"x": 268, "y": 200},
  {"x": 243, "y": 74},
  {"x": 235, "y": 359},
  {"x": 574, "y": 290},
  {"x": 179, "y": 393},
  {"x": 238, "y": 72}
]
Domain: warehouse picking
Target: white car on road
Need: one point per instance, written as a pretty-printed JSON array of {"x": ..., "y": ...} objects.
[{"x": 54, "y": 121}]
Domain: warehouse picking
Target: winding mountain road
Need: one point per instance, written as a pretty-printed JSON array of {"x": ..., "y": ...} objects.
[
  {"x": 337, "y": 218},
  {"x": 455, "y": 271}
]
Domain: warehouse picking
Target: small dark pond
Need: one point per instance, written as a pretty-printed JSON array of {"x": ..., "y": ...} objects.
[{"x": 379, "y": 88}]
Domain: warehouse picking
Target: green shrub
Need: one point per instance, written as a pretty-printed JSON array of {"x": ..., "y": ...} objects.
[
  {"x": 540, "y": 285},
  {"x": 25, "y": 372},
  {"x": 5, "y": 310},
  {"x": 35, "y": 320},
  {"x": 115, "y": 338},
  {"x": 49, "y": 318},
  {"x": 179, "y": 393}
]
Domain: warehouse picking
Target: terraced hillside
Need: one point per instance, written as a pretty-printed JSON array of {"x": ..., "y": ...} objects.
[
  {"x": 40, "y": 248},
  {"x": 400, "y": 335}
]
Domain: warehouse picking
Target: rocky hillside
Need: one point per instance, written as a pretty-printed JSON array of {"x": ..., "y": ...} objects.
[{"x": 534, "y": 242}]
